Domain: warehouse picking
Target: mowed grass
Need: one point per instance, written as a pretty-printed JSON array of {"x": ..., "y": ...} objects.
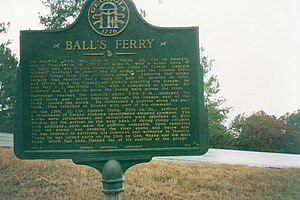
[{"x": 156, "y": 180}]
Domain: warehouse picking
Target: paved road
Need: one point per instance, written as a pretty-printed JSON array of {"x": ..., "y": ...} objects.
[
  {"x": 250, "y": 158},
  {"x": 219, "y": 156},
  {"x": 6, "y": 140}
]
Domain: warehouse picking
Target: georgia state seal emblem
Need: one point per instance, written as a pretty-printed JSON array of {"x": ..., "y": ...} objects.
[{"x": 108, "y": 17}]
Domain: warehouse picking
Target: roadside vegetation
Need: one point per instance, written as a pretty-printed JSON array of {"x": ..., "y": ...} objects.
[{"x": 156, "y": 180}]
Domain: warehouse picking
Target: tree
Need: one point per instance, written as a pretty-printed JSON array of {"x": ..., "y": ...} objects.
[
  {"x": 263, "y": 132},
  {"x": 220, "y": 137},
  {"x": 8, "y": 70},
  {"x": 62, "y": 12},
  {"x": 4, "y": 27},
  {"x": 293, "y": 122}
]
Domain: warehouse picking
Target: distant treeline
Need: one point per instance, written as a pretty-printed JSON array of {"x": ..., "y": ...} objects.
[{"x": 261, "y": 132}]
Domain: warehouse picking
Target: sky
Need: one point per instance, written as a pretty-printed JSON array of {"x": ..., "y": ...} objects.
[{"x": 255, "y": 44}]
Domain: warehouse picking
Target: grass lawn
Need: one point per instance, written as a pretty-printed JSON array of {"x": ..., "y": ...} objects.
[{"x": 157, "y": 180}]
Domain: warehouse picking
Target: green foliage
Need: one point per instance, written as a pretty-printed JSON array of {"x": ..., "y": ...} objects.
[
  {"x": 62, "y": 12},
  {"x": 293, "y": 120},
  {"x": 293, "y": 123},
  {"x": 143, "y": 13},
  {"x": 263, "y": 132},
  {"x": 220, "y": 137},
  {"x": 8, "y": 70},
  {"x": 4, "y": 27}
]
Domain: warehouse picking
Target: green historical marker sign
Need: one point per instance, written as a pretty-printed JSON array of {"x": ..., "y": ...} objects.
[{"x": 110, "y": 87}]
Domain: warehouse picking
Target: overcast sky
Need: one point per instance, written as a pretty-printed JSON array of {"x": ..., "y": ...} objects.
[{"x": 255, "y": 44}]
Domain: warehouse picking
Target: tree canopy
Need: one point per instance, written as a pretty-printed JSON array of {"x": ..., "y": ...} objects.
[
  {"x": 220, "y": 137},
  {"x": 263, "y": 132},
  {"x": 8, "y": 70},
  {"x": 61, "y": 13},
  {"x": 293, "y": 120}
]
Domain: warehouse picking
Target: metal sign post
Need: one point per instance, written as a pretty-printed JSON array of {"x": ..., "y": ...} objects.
[{"x": 112, "y": 175}]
